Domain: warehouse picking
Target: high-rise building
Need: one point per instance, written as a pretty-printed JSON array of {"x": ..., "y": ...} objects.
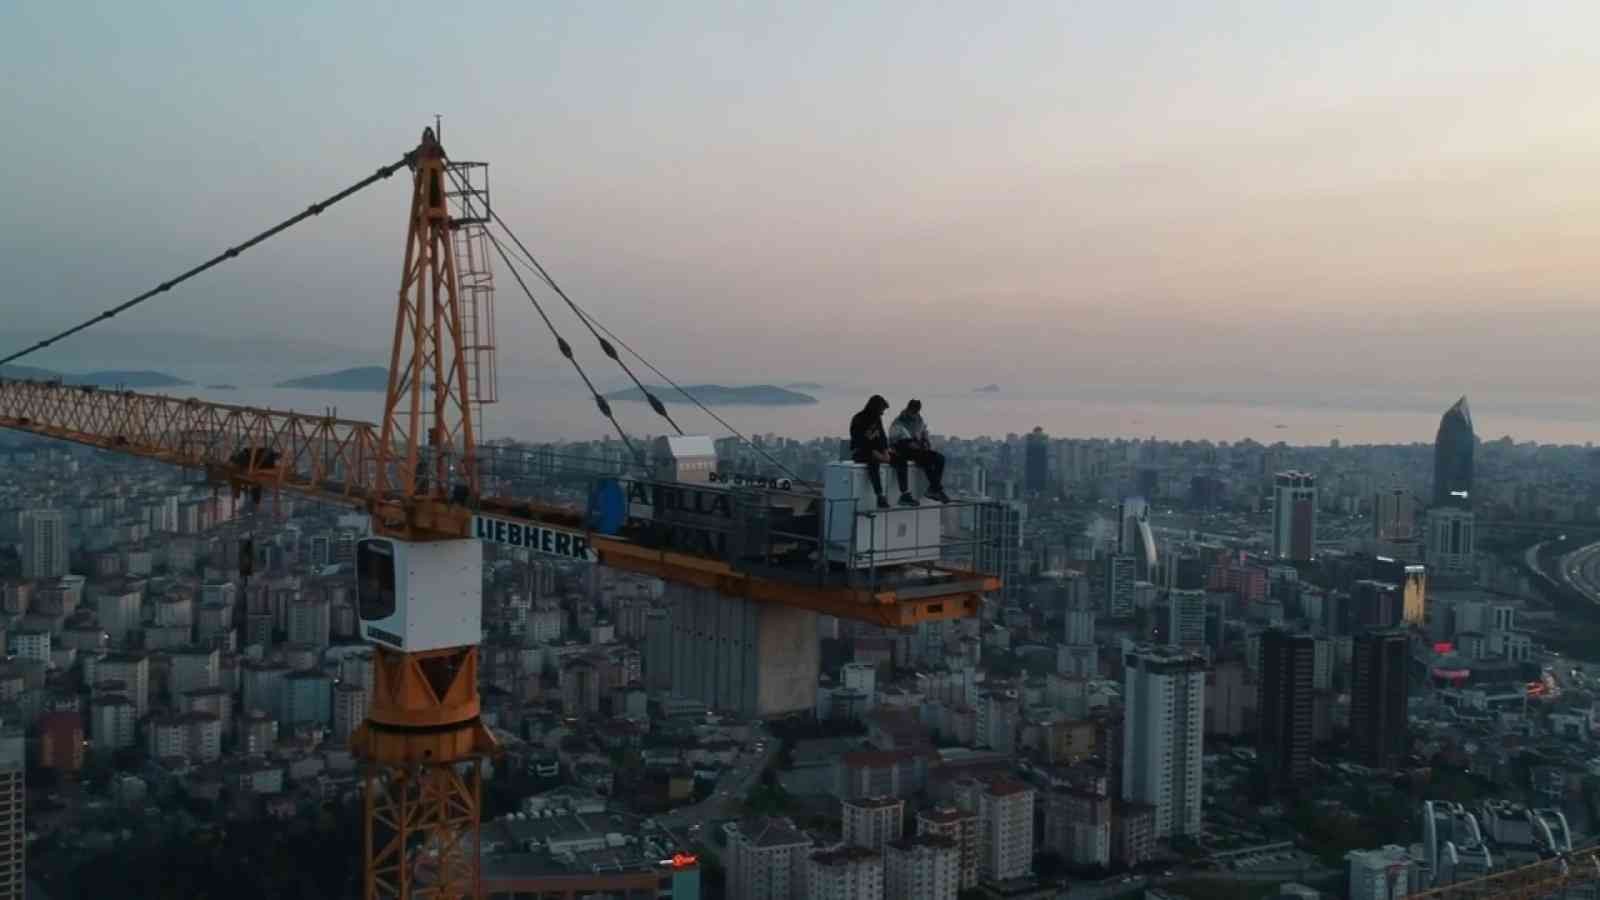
[
  {"x": 860, "y": 676},
  {"x": 61, "y": 741},
  {"x": 1120, "y": 581},
  {"x": 871, "y": 822},
  {"x": 307, "y": 699},
  {"x": 192, "y": 669},
  {"x": 1079, "y": 628},
  {"x": 1394, "y": 515},
  {"x": 1451, "y": 541},
  {"x": 961, "y": 826},
  {"x": 1414, "y": 595},
  {"x": 44, "y": 543},
  {"x": 131, "y": 671},
  {"x": 1374, "y": 604},
  {"x": 118, "y": 613},
  {"x": 1135, "y": 538},
  {"x": 1186, "y": 619},
  {"x": 1005, "y": 826},
  {"x": 310, "y": 620},
  {"x": 1036, "y": 474},
  {"x": 925, "y": 867},
  {"x": 767, "y": 859},
  {"x": 1378, "y": 692},
  {"x": 1079, "y": 656},
  {"x": 1163, "y": 723},
  {"x": 1294, "y": 516},
  {"x": 13, "y": 822},
  {"x": 580, "y": 688},
  {"x": 113, "y": 724},
  {"x": 261, "y": 687},
  {"x": 1077, "y": 823},
  {"x": 1283, "y": 707},
  {"x": 845, "y": 873},
  {"x": 1453, "y": 448},
  {"x": 349, "y": 709},
  {"x": 980, "y": 480},
  {"x": 657, "y": 650},
  {"x": 1382, "y": 874},
  {"x": 999, "y": 529}
]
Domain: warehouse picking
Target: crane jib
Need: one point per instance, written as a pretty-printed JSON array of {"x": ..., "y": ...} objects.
[{"x": 538, "y": 538}]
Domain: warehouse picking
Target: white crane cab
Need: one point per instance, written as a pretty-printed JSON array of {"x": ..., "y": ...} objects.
[{"x": 420, "y": 596}]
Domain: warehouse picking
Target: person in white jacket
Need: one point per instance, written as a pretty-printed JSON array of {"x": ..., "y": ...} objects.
[{"x": 908, "y": 438}]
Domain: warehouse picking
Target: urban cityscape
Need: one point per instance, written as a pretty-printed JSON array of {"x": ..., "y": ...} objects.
[
  {"x": 802, "y": 451},
  {"x": 1211, "y": 670}
]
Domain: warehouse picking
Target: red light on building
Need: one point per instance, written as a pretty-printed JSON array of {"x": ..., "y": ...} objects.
[
  {"x": 1444, "y": 647},
  {"x": 684, "y": 860}
]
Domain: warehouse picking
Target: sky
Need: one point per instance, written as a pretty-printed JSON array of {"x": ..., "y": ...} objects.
[{"x": 1139, "y": 199}]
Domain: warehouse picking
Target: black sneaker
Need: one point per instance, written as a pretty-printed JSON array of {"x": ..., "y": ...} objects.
[
  {"x": 907, "y": 500},
  {"x": 939, "y": 496},
  {"x": 883, "y": 502}
]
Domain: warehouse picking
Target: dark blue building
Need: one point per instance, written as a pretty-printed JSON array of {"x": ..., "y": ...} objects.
[{"x": 1452, "y": 457}]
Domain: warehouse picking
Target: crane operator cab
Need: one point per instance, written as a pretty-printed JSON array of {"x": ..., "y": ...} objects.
[{"x": 416, "y": 596}]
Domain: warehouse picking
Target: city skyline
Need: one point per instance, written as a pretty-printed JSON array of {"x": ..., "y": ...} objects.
[
  {"x": 1201, "y": 575},
  {"x": 1148, "y": 239}
]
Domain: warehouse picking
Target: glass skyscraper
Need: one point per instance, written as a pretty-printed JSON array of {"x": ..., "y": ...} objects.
[{"x": 1452, "y": 457}]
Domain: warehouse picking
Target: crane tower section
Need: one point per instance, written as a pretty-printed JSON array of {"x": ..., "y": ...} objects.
[{"x": 428, "y": 445}]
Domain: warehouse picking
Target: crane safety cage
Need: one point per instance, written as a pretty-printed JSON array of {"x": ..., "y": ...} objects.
[{"x": 769, "y": 527}]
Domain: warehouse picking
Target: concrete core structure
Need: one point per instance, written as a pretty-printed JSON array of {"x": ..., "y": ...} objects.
[{"x": 751, "y": 659}]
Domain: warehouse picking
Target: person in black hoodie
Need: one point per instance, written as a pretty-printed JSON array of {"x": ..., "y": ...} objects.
[{"x": 869, "y": 445}]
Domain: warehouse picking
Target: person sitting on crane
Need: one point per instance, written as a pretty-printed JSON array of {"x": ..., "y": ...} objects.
[
  {"x": 908, "y": 439},
  {"x": 869, "y": 447}
]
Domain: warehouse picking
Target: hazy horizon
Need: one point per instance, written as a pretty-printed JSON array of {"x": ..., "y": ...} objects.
[{"x": 1354, "y": 207}]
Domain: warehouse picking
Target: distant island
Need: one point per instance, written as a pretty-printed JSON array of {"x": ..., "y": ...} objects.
[
  {"x": 804, "y": 386},
  {"x": 722, "y": 395},
  {"x": 222, "y": 387},
  {"x": 987, "y": 389},
  {"x": 361, "y": 378},
  {"x": 107, "y": 378}
]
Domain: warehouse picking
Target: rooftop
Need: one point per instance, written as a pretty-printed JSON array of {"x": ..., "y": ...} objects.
[
  {"x": 771, "y": 833},
  {"x": 874, "y": 802},
  {"x": 841, "y": 856}
]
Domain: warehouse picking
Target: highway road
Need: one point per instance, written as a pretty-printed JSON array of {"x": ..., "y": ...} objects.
[
  {"x": 1581, "y": 570},
  {"x": 735, "y": 782}
]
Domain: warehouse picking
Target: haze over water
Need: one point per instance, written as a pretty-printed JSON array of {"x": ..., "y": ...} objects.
[{"x": 550, "y": 404}]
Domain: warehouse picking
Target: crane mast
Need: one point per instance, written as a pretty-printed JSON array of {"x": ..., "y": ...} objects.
[{"x": 420, "y": 587}]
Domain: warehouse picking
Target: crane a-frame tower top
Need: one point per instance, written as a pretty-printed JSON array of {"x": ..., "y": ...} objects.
[{"x": 434, "y": 493}]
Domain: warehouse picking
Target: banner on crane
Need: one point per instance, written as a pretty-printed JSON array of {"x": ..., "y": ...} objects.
[{"x": 538, "y": 538}]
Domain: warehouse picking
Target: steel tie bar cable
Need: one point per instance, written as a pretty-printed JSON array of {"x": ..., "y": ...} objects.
[
  {"x": 312, "y": 210},
  {"x": 593, "y": 323},
  {"x": 605, "y": 346},
  {"x": 565, "y": 348}
]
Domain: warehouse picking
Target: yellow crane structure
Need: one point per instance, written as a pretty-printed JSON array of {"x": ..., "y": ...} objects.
[{"x": 432, "y": 494}]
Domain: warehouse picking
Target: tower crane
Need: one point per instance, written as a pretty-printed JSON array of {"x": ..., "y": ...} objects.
[{"x": 435, "y": 495}]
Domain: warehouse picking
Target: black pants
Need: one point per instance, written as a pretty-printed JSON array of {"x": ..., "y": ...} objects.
[
  {"x": 897, "y": 463},
  {"x": 931, "y": 462}
]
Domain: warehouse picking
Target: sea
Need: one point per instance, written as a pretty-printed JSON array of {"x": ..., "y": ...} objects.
[{"x": 546, "y": 407}]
